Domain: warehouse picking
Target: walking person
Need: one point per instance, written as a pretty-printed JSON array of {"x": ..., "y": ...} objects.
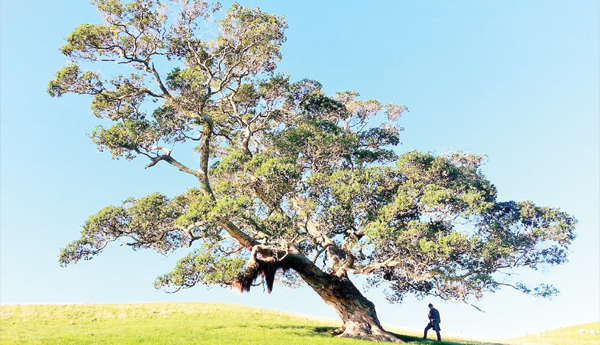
[{"x": 434, "y": 322}]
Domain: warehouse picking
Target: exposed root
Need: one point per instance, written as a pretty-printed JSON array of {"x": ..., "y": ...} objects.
[
  {"x": 375, "y": 335},
  {"x": 336, "y": 332},
  {"x": 379, "y": 337}
]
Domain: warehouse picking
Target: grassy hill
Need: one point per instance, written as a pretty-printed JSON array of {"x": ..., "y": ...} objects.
[
  {"x": 172, "y": 323},
  {"x": 565, "y": 336}
]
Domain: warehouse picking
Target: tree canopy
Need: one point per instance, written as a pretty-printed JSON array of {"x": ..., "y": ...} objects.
[{"x": 293, "y": 185}]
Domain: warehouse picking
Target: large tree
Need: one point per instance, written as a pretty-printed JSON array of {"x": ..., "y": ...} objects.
[{"x": 293, "y": 185}]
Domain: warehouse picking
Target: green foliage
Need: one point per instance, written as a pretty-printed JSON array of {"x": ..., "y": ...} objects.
[
  {"x": 206, "y": 265},
  {"x": 152, "y": 222},
  {"x": 243, "y": 28},
  {"x": 123, "y": 139},
  {"x": 123, "y": 102},
  {"x": 199, "y": 210},
  {"x": 418, "y": 227},
  {"x": 101, "y": 228},
  {"x": 88, "y": 39},
  {"x": 71, "y": 79}
]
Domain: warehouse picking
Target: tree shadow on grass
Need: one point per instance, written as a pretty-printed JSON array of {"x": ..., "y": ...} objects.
[
  {"x": 412, "y": 339},
  {"x": 323, "y": 329},
  {"x": 419, "y": 340}
]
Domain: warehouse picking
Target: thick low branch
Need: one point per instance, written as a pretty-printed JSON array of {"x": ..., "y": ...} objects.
[
  {"x": 238, "y": 234},
  {"x": 347, "y": 266},
  {"x": 375, "y": 266},
  {"x": 334, "y": 253}
]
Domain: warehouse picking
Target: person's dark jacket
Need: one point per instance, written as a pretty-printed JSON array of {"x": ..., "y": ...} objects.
[{"x": 434, "y": 314}]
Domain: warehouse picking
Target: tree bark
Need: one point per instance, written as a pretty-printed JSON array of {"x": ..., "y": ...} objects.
[{"x": 357, "y": 313}]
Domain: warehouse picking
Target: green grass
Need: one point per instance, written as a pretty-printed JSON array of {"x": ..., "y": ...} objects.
[{"x": 172, "y": 323}]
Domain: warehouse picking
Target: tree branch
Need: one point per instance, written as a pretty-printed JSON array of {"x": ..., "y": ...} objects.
[{"x": 167, "y": 158}]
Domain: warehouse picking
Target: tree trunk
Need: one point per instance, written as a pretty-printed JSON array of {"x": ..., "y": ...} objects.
[{"x": 357, "y": 312}]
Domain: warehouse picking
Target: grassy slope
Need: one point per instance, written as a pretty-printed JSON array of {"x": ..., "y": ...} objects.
[
  {"x": 168, "y": 323},
  {"x": 567, "y": 336}
]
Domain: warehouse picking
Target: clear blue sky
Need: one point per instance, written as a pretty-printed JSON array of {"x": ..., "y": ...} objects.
[{"x": 517, "y": 80}]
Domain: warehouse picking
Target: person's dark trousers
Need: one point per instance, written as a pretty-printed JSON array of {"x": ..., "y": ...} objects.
[{"x": 436, "y": 327}]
